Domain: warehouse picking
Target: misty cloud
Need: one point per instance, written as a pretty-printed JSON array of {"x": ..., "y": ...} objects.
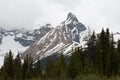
[{"x": 93, "y": 13}]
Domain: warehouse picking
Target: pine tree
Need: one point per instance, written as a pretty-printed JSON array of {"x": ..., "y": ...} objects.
[
  {"x": 91, "y": 50},
  {"x": 59, "y": 66},
  {"x": 98, "y": 56},
  {"x": 75, "y": 65},
  {"x": 49, "y": 67},
  {"x": 25, "y": 67},
  {"x": 118, "y": 56},
  {"x": 29, "y": 72},
  {"x": 62, "y": 65},
  {"x": 38, "y": 69},
  {"x": 108, "y": 53},
  {"x": 115, "y": 60},
  {"x": 17, "y": 67},
  {"x": 103, "y": 51},
  {"x": 8, "y": 66}
]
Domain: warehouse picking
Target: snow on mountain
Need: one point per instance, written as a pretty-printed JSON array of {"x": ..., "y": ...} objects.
[
  {"x": 59, "y": 40},
  {"x": 116, "y": 36},
  {"x": 8, "y": 44},
  {"x": 45, "y": 40},
  {"x": 18, "y": 40}
]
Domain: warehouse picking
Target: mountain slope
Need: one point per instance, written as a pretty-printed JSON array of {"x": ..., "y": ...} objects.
[
  {"x": 61, "y": 39},
  {"x": 18, "y": 40}
]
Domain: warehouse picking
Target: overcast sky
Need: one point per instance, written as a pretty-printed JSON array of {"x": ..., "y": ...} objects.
[{"x": 93, "y": 13}]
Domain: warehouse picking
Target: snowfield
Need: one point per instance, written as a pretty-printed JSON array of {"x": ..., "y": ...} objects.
[{"x": 8, "y": 43}]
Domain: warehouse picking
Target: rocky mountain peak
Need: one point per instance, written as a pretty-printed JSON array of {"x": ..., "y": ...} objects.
[
  {"x": 71, "y": 17},
  {"x": 73, "y": 27},
  {"x": 58, "y": 40}
]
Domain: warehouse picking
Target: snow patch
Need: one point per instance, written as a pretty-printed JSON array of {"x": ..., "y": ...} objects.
[
  {"x": 38, "y": 52},
  {"x": 8, "y": 43},
  {"x": 19, "y": 35}
]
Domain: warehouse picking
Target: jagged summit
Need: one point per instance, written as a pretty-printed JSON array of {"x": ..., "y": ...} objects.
[
  {"x": 72, "y": 26},
  {"x": 60, "y": 39},
  {"x": 71, "y": 17}
]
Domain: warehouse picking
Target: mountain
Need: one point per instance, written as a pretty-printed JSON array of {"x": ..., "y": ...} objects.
[
  {"x": 116, "y": 36},
  {"x": 60, "y": 40},
  {"x": 27, "y": 38},
  {"x": 18, "y": 40}
]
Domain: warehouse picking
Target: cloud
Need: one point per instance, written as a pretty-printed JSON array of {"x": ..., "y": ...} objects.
[
  {"x": 93, "y": 13},
  {"x": 68, "y": 3},
  {"x": 17, "y": 12}
]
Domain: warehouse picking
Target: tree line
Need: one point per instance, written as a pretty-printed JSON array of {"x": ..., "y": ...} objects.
[{"x": 101, "y": 57}]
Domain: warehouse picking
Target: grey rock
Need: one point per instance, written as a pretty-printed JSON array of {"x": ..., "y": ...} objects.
[
  {"x": 27, "y": 37},
  {"x": 57, "y": 40}
]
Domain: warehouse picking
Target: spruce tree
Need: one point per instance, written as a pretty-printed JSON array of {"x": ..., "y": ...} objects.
[
  {"x": 25, "y": 67},
  {"x": 75, "y": 66},
  {"x": 109, "y": 46},
  {"x": 91, "y": 49},
  {"x": 98, "y": 57},
  {"x": 59, "y": 66},
  {"x": 103, "y": 51},
  {"x": 8, "y": 66},
  {"x": 38, "y": 69},
  {"x": 49, "y": 67},
  {"x": 118, "y": 56},
  {"x": 29, "y": 72},
  {"x": 62, "y": 65},
  {"x": 115, "y": 60},
  {"x": 17, "y": 67}
]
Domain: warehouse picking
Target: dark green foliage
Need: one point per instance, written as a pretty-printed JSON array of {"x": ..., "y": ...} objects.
[
  {"x": 115, "y": 60},
  {"x": 27, "y": 68},
  {"x": 29, "y": 72},
  {"x": 38, "y": 69},
  {"x": 91, "y": 53},
  {"x": 24, "y": 67},
  {"x": 8, "y": 66},
  {"x": 75, "y": 65},
  {"x": 59, "y": 68},
  {"x": 49, "y": 67},
  {"x": 17, "y": 67}
]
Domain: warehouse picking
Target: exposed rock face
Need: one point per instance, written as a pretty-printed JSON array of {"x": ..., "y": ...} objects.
[
  {"x": 29, "y": 37},
  {"x": 73, "y": 26},
  {"x": 61, "y": 39},
  {"x": 18, "y": 40},
  {"x": 25, "y": 38}
]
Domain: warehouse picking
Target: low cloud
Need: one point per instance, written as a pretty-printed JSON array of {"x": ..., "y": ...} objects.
[{"x": 93, "y": 13}]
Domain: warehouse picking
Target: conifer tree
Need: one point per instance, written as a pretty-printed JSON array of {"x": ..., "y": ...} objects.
[
  {"x": 103, "y": 51},
  {"x": 98, "y": 57},
  {"x": 17, "y": 67},
  {"x": 8, "y": 66},
  {"x": 108, "y": 52},
  {"x": 59, "y": 66},
  {"x": 25, "y": 67},
  {"x": 38, "y": 69},
  {"x": 115, "y": 60},
  {"x": 49, "y": 67},
  {"x": 62, "y": 65},
  {"x": 29, "y": 72},
  {"x": 75, "y": 65},
  {"x": 91, "y": 50},
  {"x": 118, "y": 56}
]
